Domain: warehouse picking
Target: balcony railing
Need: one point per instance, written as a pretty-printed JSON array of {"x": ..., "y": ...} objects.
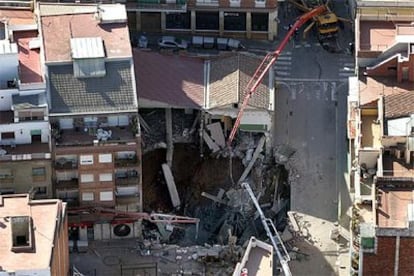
[
  {"x": 65, "y": 164},
  {"x": 28, "y": 156},
  {"x": 157, "y": 5},
  {"x": 7, "y": 179},
  {"x": 67, "y": 184},
  {"x": 127, "y": 162}
]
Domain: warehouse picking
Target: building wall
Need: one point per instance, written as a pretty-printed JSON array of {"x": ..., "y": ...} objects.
[
  {"x": 383, "y": 261},
  {"x": 22, "y": 133},
  {"x": 23, "y": 180},
  {"x": 60, "y": 256},
  {"x": 155, "y": 21},
  {"x": 98, "y": 168}
]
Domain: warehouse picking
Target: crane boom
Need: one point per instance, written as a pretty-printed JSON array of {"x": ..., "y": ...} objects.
[{"x": 266, "y": 65}]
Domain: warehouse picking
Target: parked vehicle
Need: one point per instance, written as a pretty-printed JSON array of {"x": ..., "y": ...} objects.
[{"x": 172, "y": 43}]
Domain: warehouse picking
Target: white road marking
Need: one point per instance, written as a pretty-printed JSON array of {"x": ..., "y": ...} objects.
[
  {"x": 282, "y": 73},
  {"x": 284, "y": 58},
  {"x": 282, "y": 67},
  {"x": 281, "y": 62}
]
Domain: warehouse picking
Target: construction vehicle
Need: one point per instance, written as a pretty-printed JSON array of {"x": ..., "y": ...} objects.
[
  {"x": 271, "y": 232},
  {"x": 327, "y": 23},
  {"x": 267, "y": 63}
]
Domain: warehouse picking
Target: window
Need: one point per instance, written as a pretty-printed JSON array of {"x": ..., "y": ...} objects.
[
  {"x": 106, "y": 196},
  {"x": 234, "y": 21},
  {"x": 7, "y": 135},
  {"x": 86, "y": 159},
  {"x": 105, "y": 177},
  {"x": 207, "y": 20},
  {"x": 260, "y": 22},
  {"x": 39, "y": 174},
  {"x": 87, "y": 196},
  {"x": 40, "y": 190},
  {"x": 105, "y": 158},
  {"x": 178, "y": 21},
  {"x": 86, "y": 178}
]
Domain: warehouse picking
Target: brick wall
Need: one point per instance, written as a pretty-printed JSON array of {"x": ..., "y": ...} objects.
[{"x": 382, "y": 263}]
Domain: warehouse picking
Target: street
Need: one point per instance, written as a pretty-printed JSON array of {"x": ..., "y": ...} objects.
[{"x": 310, "y": 116}]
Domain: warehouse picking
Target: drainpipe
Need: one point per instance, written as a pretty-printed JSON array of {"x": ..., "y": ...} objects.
[{"x": 397, "y": 255}]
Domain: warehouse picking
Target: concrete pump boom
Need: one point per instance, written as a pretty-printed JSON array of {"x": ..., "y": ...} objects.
[{"x": 267, "y": 64}]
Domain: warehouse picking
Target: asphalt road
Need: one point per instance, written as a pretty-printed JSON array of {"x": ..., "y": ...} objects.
[{"x": 310, "y": 116}]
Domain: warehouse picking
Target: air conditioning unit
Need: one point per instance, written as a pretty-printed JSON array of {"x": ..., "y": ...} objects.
[{"x": 122, "y": 230}]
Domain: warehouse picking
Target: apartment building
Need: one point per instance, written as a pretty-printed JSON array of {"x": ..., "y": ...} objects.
[
  {"x": 381, "y": 131},
  {"x": 25, "y": 152},
  {"x": 92, "y": 108},
  {"x": 34, "y": 237},
  {"x": 255, "y": 19}
]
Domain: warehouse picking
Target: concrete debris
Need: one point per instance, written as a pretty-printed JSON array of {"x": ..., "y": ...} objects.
[
  {"x": 210, "y": 143},
  {"x": 175, "y": 199},
  {"x": 217, "y": 134},
  {"x": 253, "y": 159},
  {"x": 282, "y": 154},
  {"x": 286, "y": 235}
]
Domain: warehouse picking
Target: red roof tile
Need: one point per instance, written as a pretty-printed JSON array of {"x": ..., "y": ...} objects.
[
  {"x": 169, "y": 79},
  {"x": 372, "y": 88}
]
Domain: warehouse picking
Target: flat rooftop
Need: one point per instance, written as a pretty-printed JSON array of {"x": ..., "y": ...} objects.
[
  {"x": 60, "y": 23},
  {"x": 392, "y": 210},
  {"x": 376, "y": 35},
  {"x": 372, "y": 88},
  {"x": 43, "y": 214},
  {"x": 29, "y": 59},
  {"x": 18, "y": 17},
  {"x": 397, "y": 167}
]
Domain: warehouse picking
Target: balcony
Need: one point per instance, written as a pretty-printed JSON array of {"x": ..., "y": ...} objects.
[
  {"x": 159, "y": 5},
  {"x": 132, "y": 161},
  {"x": 66, "y": 164},
  {"x": 88, "y": 137},
  {"x": 211, "y": 3},
  {"x": 126, "y": 178},
  {"x": 70, "y": 184},
  {"x": 6, "y": 179},
  {"x": 34, "y": 151}
]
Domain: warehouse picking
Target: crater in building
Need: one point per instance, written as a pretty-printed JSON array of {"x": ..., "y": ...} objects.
[{"x": 204, "y": 183}]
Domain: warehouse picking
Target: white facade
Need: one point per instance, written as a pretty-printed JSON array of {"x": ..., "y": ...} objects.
[{"x": 23, "y": 132}]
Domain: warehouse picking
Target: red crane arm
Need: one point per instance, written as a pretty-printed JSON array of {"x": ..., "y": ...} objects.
[{"x": 266, "y": 65}]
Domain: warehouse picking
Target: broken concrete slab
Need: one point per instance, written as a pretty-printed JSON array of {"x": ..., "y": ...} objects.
[
  {"x": 217, "y": 134},
  {"x": 293, "y": 222},
  {"x": 175, "y": 199},
  {"x": 213, "y": 198},
  {"x": 282, "y": 153},
  {"x": 210, "y": 143},
  {"x": 253, "y": 160}
]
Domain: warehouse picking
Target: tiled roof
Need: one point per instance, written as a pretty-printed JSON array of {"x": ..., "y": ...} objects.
[
  {"x": 399, "y": 105},
  {"x": 372, "y": 88},
  {"x": 111, "y": 93},
  {"x": 169, "y": 79},
  {"x": 58, "y": 29},
  {"x": 229, "y": 77}
]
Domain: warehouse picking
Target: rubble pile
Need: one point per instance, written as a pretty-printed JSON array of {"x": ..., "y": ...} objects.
[{"x": 184, "y": 128}]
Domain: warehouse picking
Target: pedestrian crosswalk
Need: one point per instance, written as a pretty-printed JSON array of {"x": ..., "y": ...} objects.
[
  {"x": 346, "y": 68},
  {"x": 283, "y": 65}
]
